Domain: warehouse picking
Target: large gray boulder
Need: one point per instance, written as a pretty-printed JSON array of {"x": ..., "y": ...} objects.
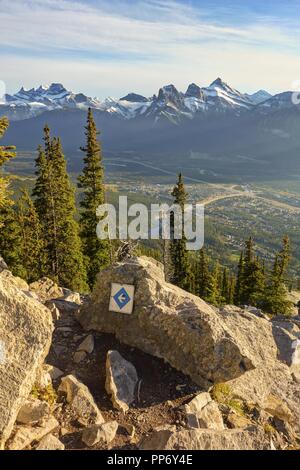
[
  {"x": 25, "y": 338},
  {"x": 169, "y": 323}
]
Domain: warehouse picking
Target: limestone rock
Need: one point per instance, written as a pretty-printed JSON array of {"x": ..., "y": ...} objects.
[
  {"x": 277, "y": 408},
  {"x": 25, "y": 339},
  {"x": 46, "y": 289},
  {"x": 104, "y": 432},
  {"x": 25, "y": 435},
  {"x": 203, "y": 412},
  {"x": 167, "y": 322},
  {"x": 14, "y": 280},
  {"x": 55, "y": 373},
  {"x": 72, "y": 297},
  {"x": 121, "y": 380},
  {"x": 272, "y": 378},
  {"x": 33, "y": 411},
  {"x": 53, "y": 309},
  {"x": 288, "y": 342},
  {"x": 252, "y": 438},
  {"x": 81, "y": 400},
  {"x": 3, "y": 265},
  {"x": 79, "y": 356},
  {"x": 295, "y": 371},
  {"x": 235, "y": 420},
  {"x": 43, "y": 377},
  {"x": 50, "y": 442},
  {"x": 87, "y": 345}
]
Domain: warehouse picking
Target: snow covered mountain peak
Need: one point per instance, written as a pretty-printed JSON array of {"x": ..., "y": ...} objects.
[{"x": 169, "y": 104}]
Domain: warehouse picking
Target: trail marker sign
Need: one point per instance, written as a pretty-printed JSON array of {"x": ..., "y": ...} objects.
[{"x": 121, "y": 298}]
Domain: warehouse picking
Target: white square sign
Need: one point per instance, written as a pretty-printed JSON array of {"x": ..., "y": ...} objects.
[{"x": 121, "y": 298}]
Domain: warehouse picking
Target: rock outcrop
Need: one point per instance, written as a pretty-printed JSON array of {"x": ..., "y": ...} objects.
[
  {"x": 25, "y": 339},
  {"x": 168, "y": 438},
  {"x": 169, "y": 323}
]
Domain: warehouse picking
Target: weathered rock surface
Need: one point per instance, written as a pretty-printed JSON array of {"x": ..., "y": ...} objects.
[
  {"x": 235, "y": 420},
  {"x": 206, "y": 439},
  {"x": 170, "y": 323},
  {"x": 79, "y": 356},
  {"x": 33, "y": 411},
  {"x": 273, "y": 378},
  {"x": 287, "y": 337},
  {"x": 121, "y": 380},
  {"x": 50, "y": 442},
  {"x": 25, "y": 339},
  {"x": 81, "y": 400},
  {"x": 53, "y": 309},
  {"x": 3, "y": 265},
  {"x": 203, "y": 412},
  {"x": 25, "y": 435},
  {"x": 46, "y": 289},
  {"x": 105, "y": 432},
  {"x": 54, "y": 372},
  {"x": 278, "y": 408},
  {"x": 14, "y": 280},
  {"x": 87, "y": 345}
]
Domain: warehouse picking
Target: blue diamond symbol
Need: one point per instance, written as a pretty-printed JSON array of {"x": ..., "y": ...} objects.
[{"x": 121, "y": 298}]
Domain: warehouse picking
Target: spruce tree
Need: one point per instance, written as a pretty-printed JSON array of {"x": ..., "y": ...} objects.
[
  {"x": 9, "y": 230},
  {"x": 238, "y": 292},
  {"x": 97, "y": 252},
  {"x": 178, "y": 251},
  {"x": 214, "y": 294},
  {"x": 55, "y": 205},
  {"x": 276, "y": 301},
  {"x": 10, "y": 239},
  {"x": 32, "y": 248},
  {"x": 253, "y": 282},
  {"x": 204, "y": 276},
  {"x": 225, "y": 286}
]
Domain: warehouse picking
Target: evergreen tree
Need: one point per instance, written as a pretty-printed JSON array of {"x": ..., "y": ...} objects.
[
  {"x": 97, "y": 251},
  {"x": 225, "y": 286},
  {"x": 214, "y": 295},
  {"x": 178, "y": 251},
  {"x": 276, "y": 300},
  {"x": 204, "y": 278},
  {"x": 231, "y": 291},
  {"x": 32, "y": 248},
  {"x": 10, "y": 239},
  {"x": 238, "y": 292},
  {"x": 6, "y": 153},
  {"x": 9, "y": 230},
  {"x": 253, "y": 282},
  {"x": 55, "y": 205}
]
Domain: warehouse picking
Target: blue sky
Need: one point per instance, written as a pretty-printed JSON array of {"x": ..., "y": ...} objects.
[{"x": 111, "y": 47}]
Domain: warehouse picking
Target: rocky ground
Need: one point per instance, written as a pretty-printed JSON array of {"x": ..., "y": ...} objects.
[{"x": 85, "y": 389}]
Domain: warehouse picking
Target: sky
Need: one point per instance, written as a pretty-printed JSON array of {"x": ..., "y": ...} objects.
[{"x": 112, "y": 47}]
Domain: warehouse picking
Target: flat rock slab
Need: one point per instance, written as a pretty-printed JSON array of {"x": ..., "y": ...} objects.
[
  {"x": 25, "y": 435},
  {"x": 25, "y": 339},
  {"x": 252, "y": 438},
  {"x": 179, "y": 327}
]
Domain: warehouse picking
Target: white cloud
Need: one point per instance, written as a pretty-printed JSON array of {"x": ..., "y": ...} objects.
[{"x": 118, "y": 46}]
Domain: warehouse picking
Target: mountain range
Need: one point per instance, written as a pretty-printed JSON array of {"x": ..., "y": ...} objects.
[
  {"x": 214, "y": 132},
  {"x": 169, "y": 103}
]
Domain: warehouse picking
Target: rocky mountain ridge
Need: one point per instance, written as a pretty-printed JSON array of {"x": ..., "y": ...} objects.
[{"x": 169, "y": 103}]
